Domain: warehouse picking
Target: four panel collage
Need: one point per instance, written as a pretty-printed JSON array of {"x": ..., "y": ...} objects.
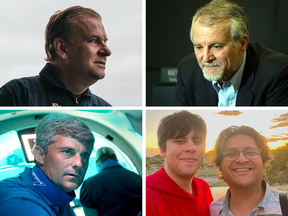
[{"x": 134, "y": 108}]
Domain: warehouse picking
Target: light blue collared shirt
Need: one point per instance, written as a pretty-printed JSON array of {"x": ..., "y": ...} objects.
[
  {"x": 227, "y": 94},
  {"x": 270, "y": 204}
]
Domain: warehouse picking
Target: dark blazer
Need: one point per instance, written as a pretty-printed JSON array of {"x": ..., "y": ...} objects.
[{"x": 264, "y": 81}]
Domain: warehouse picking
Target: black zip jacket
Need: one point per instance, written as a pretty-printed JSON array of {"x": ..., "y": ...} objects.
[{"x": 44, "y": 90}]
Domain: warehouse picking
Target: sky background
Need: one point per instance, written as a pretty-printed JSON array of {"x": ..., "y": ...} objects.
[
  {"x": 22, "y": 25},
  {"x": 272, "y": 124}
]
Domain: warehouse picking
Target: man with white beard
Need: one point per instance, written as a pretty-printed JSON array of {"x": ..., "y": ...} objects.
[{"x": 225, "y": 68}]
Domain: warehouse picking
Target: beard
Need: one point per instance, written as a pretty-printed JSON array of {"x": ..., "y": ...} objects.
[{"x": 210, "y": 74}]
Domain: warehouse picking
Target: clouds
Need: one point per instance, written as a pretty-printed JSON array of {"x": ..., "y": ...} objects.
[
  {"x": 233, "y": 113},
  {"x": 22, "y": 44},
  {"x": 282, "y": 121},
  {"x": 278, "y": 137}
]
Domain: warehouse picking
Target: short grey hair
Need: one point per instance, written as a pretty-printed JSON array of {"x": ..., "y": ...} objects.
[
  {"x": 63, "y": 125},
  {"x": 220, "y": 10}
]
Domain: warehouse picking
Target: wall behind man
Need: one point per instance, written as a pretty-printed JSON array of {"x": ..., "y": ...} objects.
[{"x": 168, "y": 25}]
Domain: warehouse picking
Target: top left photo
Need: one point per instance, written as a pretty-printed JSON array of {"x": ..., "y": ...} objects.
[{"x": 71, "y": 53}]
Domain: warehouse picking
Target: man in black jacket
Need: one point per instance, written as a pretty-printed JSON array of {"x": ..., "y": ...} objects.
[
  {"x": 225, "y": 69},
  {"x": 114, "y": 190},
  {"x": 75, "y": 45}
]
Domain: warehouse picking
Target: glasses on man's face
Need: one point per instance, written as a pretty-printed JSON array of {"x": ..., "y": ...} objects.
[{"x": 250, "y": 154}]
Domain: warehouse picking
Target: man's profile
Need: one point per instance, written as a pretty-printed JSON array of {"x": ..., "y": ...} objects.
[
  {"x": 225, "y": 68},
  {"x": 241, "y": 154},
  {"x": 62, "y": 152},
  {"x": 174, "y": 190},
  {"x": 76, "y": 50}
]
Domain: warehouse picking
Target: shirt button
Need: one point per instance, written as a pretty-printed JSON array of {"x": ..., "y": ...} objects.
[{"x": 230, "y": 102}]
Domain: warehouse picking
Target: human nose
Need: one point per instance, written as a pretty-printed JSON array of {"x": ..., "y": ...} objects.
[
  {"x": 190, "y": 146},
  {"x": 241, "y": 157},
  {"x": 105, "y": 50},
  {"x": 77, "y": 161},
  {"x": 208, "y": 55}
]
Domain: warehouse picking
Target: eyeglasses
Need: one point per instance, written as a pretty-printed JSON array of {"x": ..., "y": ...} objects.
[{"x": 250, "y": 154}]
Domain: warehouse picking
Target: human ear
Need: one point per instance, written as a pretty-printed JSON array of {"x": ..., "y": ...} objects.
[
  {"x": 243, "y": 43},
  {"x": 60, "y": 48},
  {"x": 38, "y": 154},
  {"x": 162, "y": 153}
]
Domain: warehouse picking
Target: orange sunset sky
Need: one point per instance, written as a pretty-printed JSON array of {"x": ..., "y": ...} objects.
[{"x": 273, "y": 124}]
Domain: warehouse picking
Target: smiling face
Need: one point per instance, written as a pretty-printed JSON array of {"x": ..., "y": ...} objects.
[
  {"x": 87, "y": 49},
  {"x": 215, "y": 51},
  {"x": 242, "y": 172},
  {"x": 65, "y": 163},
  {"x": 183, "y": 156}
]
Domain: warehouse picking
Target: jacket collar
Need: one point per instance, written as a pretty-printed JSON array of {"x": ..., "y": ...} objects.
[
  {"x": 108, "y": 163},
  {"x": 27, "y": 177},
  {"x": 48, "y": 75},
  {"x": 56, "y": 195}
]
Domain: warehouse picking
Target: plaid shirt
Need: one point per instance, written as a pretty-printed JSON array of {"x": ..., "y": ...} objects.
[{"x": 269, "y": 205}]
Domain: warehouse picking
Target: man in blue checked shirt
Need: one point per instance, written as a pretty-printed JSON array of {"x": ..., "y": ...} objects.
[{"x": 241, "y": 154}]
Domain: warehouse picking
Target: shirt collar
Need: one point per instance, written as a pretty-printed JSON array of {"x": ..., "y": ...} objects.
[
  {"x": 263, "y": 204},
  {"x": 107, "y": 164},
  {"x": 265, "y": 200},
  {"x": 48, "y": 74},
  {"x": 225, "y": 205},
  {"x": 235, "y": 80}
]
